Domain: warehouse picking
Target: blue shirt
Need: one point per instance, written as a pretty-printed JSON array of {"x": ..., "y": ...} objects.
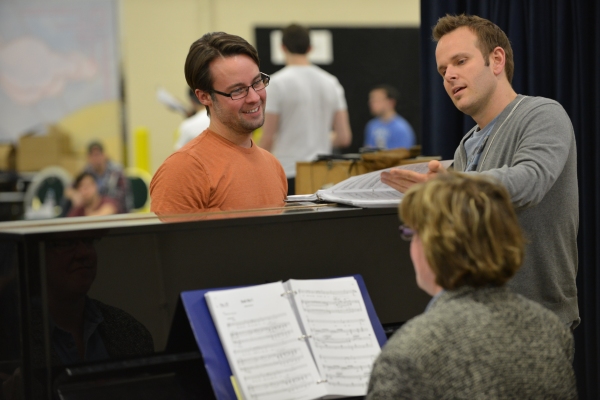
[
  {"x": 475, "y": 144},
  {"x": 391, "y": 134}
]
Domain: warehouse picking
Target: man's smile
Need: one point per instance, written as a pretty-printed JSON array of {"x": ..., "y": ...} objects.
[{"x": 252, "y": 111}]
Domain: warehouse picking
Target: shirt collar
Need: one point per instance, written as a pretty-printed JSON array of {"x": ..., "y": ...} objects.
[{"x": 434, "y": 299}]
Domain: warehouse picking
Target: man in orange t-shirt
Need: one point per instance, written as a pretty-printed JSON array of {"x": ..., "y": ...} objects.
[{"x": 222, "y": 169}]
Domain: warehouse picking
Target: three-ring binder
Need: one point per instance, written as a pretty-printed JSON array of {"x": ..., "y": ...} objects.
[
  {"x": 304, "y": 337},
  {"x": 288, "y": 292}
]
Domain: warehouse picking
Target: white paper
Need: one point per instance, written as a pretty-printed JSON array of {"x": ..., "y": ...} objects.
[
  {"x": 342, "y": 339},
  {"x": 368, "y": 191},
  {"x": 262, "y": 341},
  {"x": 301, "y": 197}
]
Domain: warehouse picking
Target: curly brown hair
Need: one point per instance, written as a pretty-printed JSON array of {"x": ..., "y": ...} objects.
[{"x": 468, "y": 227}]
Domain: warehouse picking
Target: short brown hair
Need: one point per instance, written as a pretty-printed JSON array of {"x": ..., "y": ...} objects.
[
  {"x": 296, "y": 39},
  {"x": 489, "y": 36},
  {"x": 390, "y": 92},
  {"x": 95, "y": 145},
  {"x": 204, "y": 50},
  {"x": 468, "y": 228}
]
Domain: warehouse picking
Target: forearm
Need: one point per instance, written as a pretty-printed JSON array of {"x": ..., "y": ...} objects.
[{"x": 341, "y": 128}]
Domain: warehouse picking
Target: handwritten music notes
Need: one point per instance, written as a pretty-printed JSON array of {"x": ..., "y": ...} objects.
[
  {"x": 302, "y": 339},
  {"x": 340, "y": 333}
]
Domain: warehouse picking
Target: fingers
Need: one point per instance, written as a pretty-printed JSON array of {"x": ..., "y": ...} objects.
[
  {"x": 401, "y": 180},
  {"x": 435, "y": 167},
  {"x": 390, "y": 181}
]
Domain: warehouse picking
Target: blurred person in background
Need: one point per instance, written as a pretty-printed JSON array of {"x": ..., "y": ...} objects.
[
  {"x": 109, "y": 176},
  {"x": 86, "y": 200},
  {"x": 305, "y": 104},
  {"x": 387, "y": 130}
]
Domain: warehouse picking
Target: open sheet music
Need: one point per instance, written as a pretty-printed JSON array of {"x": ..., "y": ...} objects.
[
  {"x": 302, "y": 339},
  {"x": 365, "y": 190}
]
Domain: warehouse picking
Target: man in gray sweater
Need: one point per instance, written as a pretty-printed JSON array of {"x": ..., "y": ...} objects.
[{"x": 527, "y": 143}]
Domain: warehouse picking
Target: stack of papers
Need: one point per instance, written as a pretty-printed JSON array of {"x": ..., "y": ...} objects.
[{"x": 365, "y": 190}]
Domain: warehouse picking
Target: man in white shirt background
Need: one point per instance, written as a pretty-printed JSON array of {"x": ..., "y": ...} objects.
[{"x": 305, "y": 105}]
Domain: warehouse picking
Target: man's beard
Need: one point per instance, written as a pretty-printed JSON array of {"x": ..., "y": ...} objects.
[{"x": 236, "y": 122}]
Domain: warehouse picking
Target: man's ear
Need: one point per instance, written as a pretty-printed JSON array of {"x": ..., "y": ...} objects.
[
  {"x": 498, "y": 60},
  {"x": 203, "y": 97}
]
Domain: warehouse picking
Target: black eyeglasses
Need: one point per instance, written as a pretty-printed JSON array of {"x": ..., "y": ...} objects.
[
  {"x": 243, "y": 92},
  {"x": 406, "y": 233}
]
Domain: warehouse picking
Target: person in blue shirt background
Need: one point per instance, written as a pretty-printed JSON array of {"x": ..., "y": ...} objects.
[{"x": 387, "y": 130}]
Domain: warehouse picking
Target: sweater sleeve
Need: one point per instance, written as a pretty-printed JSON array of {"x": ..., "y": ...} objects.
[{"x": 544, "y": 138}]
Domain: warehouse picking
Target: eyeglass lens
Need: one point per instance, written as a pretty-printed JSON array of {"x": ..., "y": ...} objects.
[
  {"x": 258, "y": 85},
  {"x": 406, "y": 233}
]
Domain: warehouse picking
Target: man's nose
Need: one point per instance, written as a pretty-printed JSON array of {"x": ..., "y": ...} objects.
[
  {"x": 450, "y": 74},
  {"x": 252, "y": 95}
]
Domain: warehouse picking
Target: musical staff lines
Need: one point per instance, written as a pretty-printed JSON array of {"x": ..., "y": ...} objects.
[
  {"x": 343, "y": 340},
  {"x": 260, "y": 335},
  {"x": 239, "y": 324},
  {"x": 280, "y": 386}
]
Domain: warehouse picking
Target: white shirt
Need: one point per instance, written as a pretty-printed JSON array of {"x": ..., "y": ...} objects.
[
  {"x": 306, "y": 99},
  {"x": 192, "y": 127}
]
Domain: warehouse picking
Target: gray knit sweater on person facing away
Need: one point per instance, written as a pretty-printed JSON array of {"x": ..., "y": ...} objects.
[
  {"x": 477, "y": 344},
  {"x": 531, "y": 151}
]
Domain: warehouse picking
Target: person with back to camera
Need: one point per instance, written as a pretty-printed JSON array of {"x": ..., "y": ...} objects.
[
  {"x": 222, "y": 169},
  {"x": 527, "y": 143},
  {"x": 387, "y": 130},
  {"x": 305, "y": 104},
  {"x": 477, "y": 338}
]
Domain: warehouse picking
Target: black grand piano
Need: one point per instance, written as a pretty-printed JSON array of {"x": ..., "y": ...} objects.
[{"x": 138, "y": 264}]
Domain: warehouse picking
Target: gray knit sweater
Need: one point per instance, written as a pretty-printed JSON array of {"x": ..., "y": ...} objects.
[
  {"x": 531, "y": 150},
  {"x": 477, "y": 344}
]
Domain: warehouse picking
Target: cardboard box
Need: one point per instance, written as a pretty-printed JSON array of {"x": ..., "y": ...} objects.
[
  {"x": 37, "y": 152},
  {"x": 7, "y": 157},
  {"x": 73, "y": 164}
]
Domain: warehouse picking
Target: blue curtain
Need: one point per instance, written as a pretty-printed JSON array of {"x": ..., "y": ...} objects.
[{"x": 556, "y": 47}]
